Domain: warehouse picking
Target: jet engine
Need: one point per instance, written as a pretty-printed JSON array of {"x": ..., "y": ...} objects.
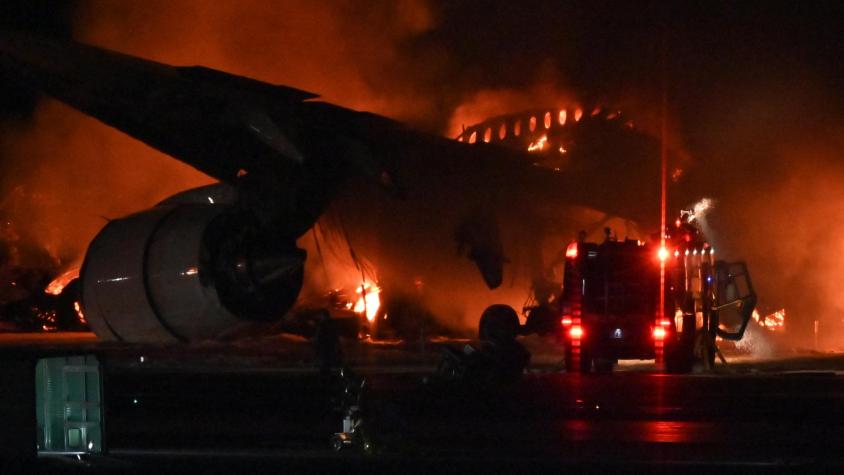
[{"x": 193, "y": 267}]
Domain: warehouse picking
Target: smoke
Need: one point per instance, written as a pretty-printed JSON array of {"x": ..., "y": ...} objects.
[
  {"x": 781, "y": 188},
  {"x": 67, "y": 174},
  {"x": 71, "y": 174},
  {"x": 756, "y": 342},
  {"x": 330, "y": 48},
  {"x": 486, "y": 103},
  {"x": 761, "y": 139}
]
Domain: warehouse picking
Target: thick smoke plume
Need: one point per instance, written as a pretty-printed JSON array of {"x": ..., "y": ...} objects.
[
  {"x": 70, "y": 173},
  {"x": 781, "y": 196},
  {"x": 761, "y": 140}
]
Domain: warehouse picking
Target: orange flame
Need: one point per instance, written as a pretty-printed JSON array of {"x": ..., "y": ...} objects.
[
  {"x": 59, "y": 283},
  {"x": 79, "y": 313},
  {"x": 773, "y": 322},
  {"x": 539, "y": 145},
  {"x": 369, "y": 300}
]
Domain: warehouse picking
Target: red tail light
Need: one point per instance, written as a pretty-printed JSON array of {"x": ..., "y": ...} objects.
[
  {"x": 576, "y": 332},
  {"x": 659, "y": 333},
  {"x": 571, "y": 251}
]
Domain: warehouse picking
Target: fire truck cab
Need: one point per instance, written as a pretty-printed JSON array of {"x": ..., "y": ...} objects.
[{"x": 633, "y": 300}]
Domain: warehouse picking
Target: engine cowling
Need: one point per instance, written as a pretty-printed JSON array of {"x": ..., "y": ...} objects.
[{"x": 186, "y": 270}]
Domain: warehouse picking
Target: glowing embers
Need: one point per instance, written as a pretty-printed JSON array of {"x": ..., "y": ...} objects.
[
  {"x": 539, "y": 145},
  {"x": 59, "y": 283},
  {"x": 368, "y": 300},
  {"x": 79, "y": 313},
  {"x": 773, "y": 322}
]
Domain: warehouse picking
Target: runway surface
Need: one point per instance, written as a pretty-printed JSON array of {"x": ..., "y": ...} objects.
[{"x": 248, "y": 410}]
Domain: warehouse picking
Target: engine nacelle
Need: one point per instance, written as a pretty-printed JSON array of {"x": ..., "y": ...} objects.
[{"x": 186, "y": 271}]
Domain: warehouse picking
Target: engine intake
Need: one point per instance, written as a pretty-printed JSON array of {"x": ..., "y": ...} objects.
[{"x": 186, "y": 271}]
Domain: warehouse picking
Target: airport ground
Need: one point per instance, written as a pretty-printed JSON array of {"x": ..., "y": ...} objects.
[{"x": 262, "y": 405}]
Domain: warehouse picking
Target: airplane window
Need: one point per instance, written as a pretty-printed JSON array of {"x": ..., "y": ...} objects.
[
  {"x": 473, "y": 137},
  {"x": 487, "y": 134},
  {"x": 532, "y": 123},
  {"x": 502, "y": 131},
  {"x": 517, "y": 128},
  {"x": 562, "y": 118},
  {"x": 547, "y": 120}
]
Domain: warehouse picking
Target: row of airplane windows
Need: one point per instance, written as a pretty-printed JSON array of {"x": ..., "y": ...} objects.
[{"x": 547, "y": 121}]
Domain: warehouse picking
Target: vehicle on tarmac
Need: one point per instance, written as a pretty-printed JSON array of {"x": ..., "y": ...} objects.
[{"x": 667, "y": 300}]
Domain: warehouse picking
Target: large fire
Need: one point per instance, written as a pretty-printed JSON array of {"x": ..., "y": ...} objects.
[
  {"x": 57, "y": 285},
  {"x": 773, "y": 322},
  {"x": 368, "y": 301}
]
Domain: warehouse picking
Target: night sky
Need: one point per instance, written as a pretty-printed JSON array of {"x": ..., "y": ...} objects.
[
  {"x": 755, "y": 97},
  {"x": 709, "y": 52}
]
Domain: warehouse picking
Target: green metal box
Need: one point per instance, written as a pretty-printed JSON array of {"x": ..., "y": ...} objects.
[{"x": 68, "y": 401}]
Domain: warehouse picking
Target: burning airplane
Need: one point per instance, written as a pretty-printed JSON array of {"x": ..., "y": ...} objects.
[{"x": 450, "y": 225}]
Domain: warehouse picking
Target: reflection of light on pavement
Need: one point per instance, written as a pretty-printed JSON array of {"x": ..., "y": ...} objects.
[
  {"x": 641, "y": 431},
  {"x": 677, "y": 431}
]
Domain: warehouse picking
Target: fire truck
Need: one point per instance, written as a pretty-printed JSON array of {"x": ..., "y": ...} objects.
[{"x": 668, "y": 300}]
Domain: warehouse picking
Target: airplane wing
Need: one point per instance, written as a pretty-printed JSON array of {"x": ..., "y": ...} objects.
[{"x": 290, "y": 156}]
